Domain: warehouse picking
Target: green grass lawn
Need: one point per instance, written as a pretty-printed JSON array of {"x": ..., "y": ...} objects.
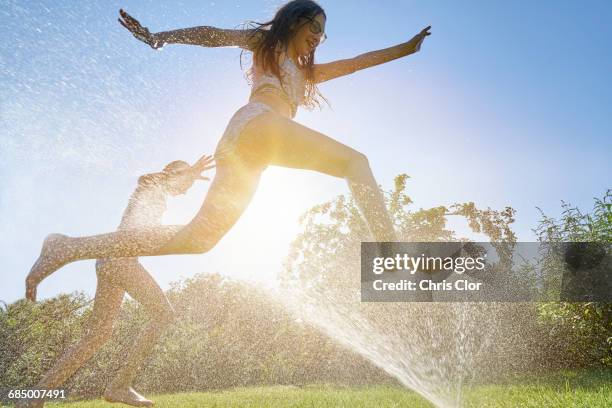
[{"x": 566, "y": 389}]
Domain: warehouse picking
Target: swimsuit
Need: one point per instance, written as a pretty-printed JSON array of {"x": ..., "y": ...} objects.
[{"x": 291, "y": 90}]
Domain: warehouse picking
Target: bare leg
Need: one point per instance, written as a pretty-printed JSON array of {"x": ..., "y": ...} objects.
[
  {"x": 107, "y": 304},
  {"x": 280, "y": 141},
  {"x": 267, "y": 139},
  {"x": 143, "y": 288},
  {"x": 229, "y": 194}
]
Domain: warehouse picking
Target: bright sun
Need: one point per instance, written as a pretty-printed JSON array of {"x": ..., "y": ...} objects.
[{"x": 257, "y": 245}]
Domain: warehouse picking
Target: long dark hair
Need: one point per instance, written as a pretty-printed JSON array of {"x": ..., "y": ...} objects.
[{"x": 268, "y": 37}]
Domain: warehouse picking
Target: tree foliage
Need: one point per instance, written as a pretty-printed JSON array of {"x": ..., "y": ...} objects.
[{"x": 585, "y": 327}]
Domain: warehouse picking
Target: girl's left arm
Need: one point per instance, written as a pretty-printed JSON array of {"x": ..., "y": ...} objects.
[{"x": 335, "y": 69}]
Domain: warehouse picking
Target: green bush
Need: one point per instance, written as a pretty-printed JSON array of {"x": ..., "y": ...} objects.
[
  {"x": 586, "y": 328},
  {"x": 227, "y": 333}
]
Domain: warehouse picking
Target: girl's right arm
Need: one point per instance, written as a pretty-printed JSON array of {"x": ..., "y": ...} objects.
[{"x": 205, "y": 36}]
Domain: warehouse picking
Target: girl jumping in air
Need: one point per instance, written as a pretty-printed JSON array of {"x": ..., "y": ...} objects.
[{"x": 261, "y": 133}]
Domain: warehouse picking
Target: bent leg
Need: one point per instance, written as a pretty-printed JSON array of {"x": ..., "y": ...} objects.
[
  {"x": 141, "y": 286},
  {"x": 267, "y": 139},
  {"x": 276, "y": 140},
  {"x": 107, "y": 303},
  {"x": 228, "y": 196}
]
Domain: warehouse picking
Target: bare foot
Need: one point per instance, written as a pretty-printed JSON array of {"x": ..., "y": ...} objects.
[
  {"x": 48, "y": 262},
  {"x": 127, "y": 396}
]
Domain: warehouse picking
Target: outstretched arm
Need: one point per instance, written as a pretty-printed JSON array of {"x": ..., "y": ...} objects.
[
  {"x": 191, "y": 173},
  {"x": 335, "y": 69},
  {"x": 205, "y": 36}
]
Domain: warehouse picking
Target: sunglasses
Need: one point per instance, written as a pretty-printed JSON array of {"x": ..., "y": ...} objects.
[{"x": 316, "y": 28}]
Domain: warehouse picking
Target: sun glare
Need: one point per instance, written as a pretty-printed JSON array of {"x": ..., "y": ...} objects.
[{"x": 256, "y": 246}]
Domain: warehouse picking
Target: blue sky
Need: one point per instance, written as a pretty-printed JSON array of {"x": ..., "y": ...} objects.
[{"x": 508, "y": 103}]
